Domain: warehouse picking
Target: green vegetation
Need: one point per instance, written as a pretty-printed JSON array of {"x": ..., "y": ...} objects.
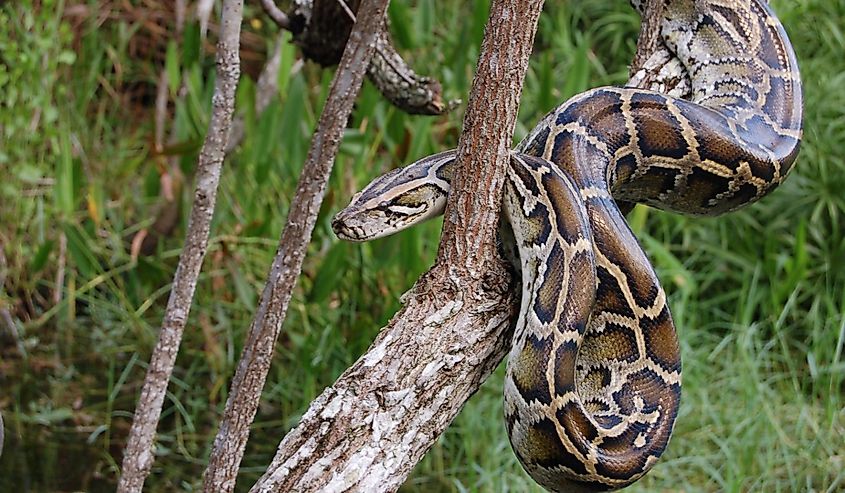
[{"x": 758, "y": 295}]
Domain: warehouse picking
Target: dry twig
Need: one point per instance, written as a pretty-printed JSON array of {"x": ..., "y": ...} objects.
[
  {"x": 138, "y": 455},
  {"x": 275, "y": 13}
]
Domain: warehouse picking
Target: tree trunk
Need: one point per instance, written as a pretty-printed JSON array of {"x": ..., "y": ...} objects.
[{"x": 368, "y": 430}]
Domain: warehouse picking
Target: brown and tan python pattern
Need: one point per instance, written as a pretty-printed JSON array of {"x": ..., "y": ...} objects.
[{"x": 594, "y": 375}]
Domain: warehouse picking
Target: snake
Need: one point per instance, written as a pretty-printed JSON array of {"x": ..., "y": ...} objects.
[{"x": 593, "y": 380}]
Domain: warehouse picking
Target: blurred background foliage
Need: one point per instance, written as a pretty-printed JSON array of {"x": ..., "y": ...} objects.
[{"x": 758, "y": 295}]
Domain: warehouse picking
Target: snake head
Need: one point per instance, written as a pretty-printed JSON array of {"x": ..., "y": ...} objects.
[{"x": 397, "y": 200}]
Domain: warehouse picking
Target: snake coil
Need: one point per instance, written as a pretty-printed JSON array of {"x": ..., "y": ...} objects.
[{"x": 593, "y": 380}]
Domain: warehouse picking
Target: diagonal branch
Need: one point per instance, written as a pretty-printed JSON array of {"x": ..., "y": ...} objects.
[
  {"x": 255, "y": 361},
  {"x": 138, "y": 455},
  {"x": 321, "y": 29},
  {"x": 275, "y": 13},
  {"x": 368, "y": 430}
]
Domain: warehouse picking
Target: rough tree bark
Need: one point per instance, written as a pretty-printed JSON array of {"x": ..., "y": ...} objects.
[
  {"x": 258, "y": 352},
  {"x": 368, "y": 430},
  {"x": 138, "y": 455}
]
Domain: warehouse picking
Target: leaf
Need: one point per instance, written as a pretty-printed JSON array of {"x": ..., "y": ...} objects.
[
  {"x": 171, "y": 66},
  {"x": 331, "y": 271},
  {"x": 578, "y": 76},
  {"x": 40, "y": 259},
  {"x": 78, "y": 250},
  {"x": 191, "y": 44},
  {"x": 64, "y": 178},
  {"x": 95, "y": 201},
  {"x": 66, "y": 57},
  {"x": 400, "y": 25},
  {"x": 288, "y": 57}
]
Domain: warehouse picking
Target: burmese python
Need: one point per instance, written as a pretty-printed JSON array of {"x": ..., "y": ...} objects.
[{"x": 594, "y": 374}]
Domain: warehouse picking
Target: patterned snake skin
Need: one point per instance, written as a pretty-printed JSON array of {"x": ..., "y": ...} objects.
[{"x": 594, "y": 375}]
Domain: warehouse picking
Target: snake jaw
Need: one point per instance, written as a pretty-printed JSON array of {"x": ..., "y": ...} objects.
[{"x": 354, "y": 224}]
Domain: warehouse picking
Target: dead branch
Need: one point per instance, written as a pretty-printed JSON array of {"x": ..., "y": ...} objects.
[
  {"x": 321, "y": 28},
  {"x": 257, "y": 355},
  {"x": 138, "y": 455},
  {"x": 275, "y": 13},
  {"x": 368, "y": 430}
]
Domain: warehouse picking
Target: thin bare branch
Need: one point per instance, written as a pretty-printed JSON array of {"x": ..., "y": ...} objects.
[
  {"x": 138, "y": 456},
  {"x": 275, "y": 13},
  {"x": 367, "y": 431},
  {"x": 203, "y": 10},
  {"x": 257, "y": 355}
]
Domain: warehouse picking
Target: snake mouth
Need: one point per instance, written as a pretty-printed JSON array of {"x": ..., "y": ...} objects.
[{"x": 346, "y": 231}]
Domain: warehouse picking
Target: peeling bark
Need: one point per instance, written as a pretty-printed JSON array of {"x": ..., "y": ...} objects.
[
  {"x": 138, "y": 456},
  {"x": 251, "y": 374},
  {"x": 368, "y": 430}
]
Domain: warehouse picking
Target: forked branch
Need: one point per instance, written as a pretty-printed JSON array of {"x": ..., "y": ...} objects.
[{"x": 368, "y": 430}]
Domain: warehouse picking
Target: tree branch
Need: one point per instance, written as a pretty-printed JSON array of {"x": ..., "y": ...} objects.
[
  {"x": 138, "y": 455},
  {"x": 275, "y": 13},
  {"x": 404, "y": 88},
  {"x": 257, "y": 355},
  {"x": 321, "y": 28},
  {"x": 369, "y": 429}
]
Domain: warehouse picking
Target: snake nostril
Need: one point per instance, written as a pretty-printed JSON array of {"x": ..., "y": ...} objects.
[{"x": 337, "y": 224}]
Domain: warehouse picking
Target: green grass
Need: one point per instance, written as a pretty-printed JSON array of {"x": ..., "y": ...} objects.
[{"x": 758, "y": 295}]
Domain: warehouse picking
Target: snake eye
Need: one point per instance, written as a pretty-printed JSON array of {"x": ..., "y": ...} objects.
[{"x": 383, "y": 204}]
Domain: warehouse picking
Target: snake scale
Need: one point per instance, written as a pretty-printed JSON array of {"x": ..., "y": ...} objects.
[{"x": 593, "y": 378}]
